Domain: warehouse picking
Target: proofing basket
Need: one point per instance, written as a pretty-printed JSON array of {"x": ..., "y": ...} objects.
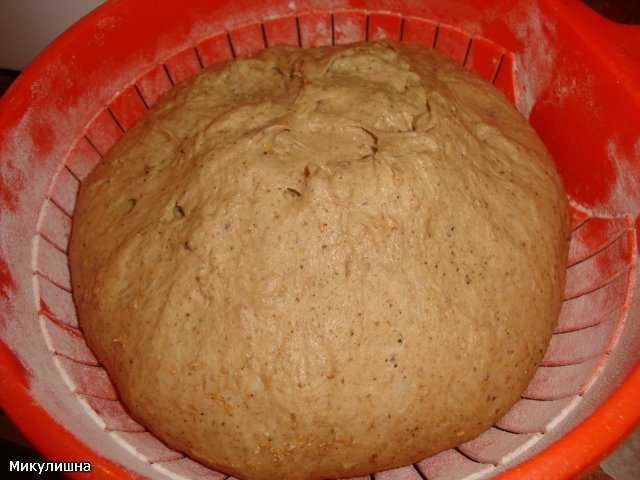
[{"x": 573, "y": 74}]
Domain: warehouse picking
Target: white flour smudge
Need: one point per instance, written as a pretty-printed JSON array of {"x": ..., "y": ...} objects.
[
  {"x": 624, "y": 197},
  {"x": 534, "y": 67}
]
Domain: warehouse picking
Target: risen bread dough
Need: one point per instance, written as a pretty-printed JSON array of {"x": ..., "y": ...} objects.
[{"x": 322, "y": 263}]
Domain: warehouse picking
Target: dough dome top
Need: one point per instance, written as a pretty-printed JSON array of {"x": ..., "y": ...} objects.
[{"x": 322, "y": 263}]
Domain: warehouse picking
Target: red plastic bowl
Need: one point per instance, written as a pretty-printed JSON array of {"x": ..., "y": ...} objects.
[{"x": 572, "y": 73}]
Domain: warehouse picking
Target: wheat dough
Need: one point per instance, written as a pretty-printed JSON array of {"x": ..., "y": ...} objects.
[{"x": 322, "y": 263}]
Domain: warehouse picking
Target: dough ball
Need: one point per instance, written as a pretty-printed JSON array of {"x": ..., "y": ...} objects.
[{"x": 322, "y": 263}]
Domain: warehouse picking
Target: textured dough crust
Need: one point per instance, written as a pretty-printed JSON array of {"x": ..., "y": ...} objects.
[{"x": 322, "y": 263}]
